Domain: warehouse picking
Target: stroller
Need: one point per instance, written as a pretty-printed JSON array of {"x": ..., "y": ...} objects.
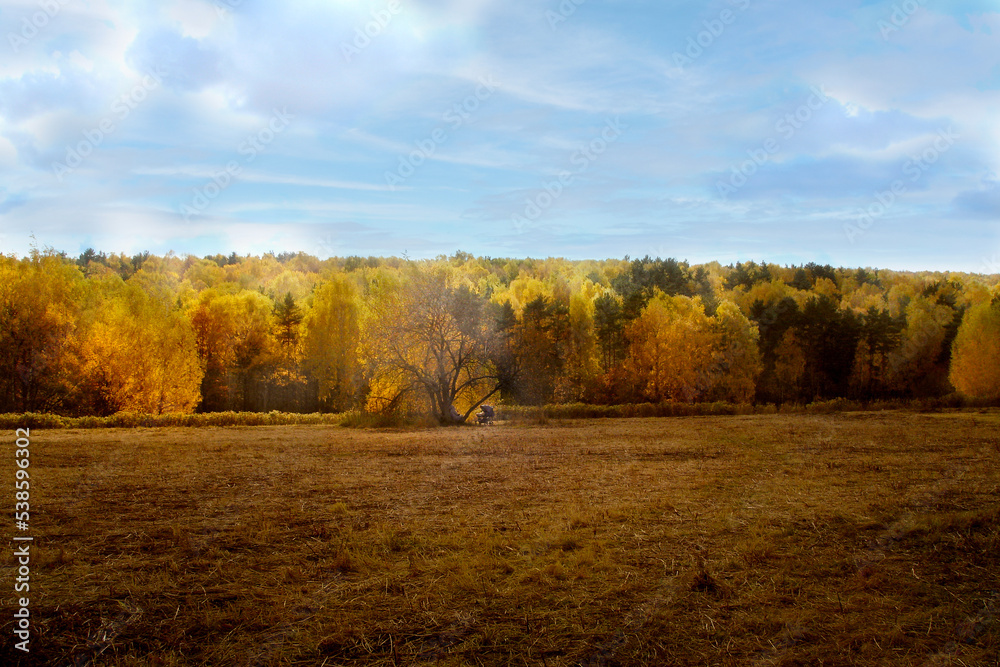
[{"x": 485, "y": 414}]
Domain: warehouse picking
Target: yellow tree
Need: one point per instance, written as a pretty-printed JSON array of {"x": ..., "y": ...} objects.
[
  {"x": 975, "y": 361},
  {"x": 581, "y": 359},
  {"x": 670, "y": 349},
  {"x": 736, "y": 358},
  {"x": 214, "y": 330},
  {"x": 330, "y": 342},
  {"x": 922, "y": 341},
  {"x": 140, "y": 356},
  {"x": 234, "y": 334},
  {"x": 255, "y": 350},
  {"x": 436, "y": 340},
  {"x": 39, "y": 332}
]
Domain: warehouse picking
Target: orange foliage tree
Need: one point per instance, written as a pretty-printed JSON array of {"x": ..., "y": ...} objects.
[
  {"x": 40, "y": 302},
  {"x": 437, "y": 341},
  {"x": 670, "y": 350},
  {"x": 140, "y": 355},
  {"x": 103, "y": 333},
  {"x": 975, "y": 364}
]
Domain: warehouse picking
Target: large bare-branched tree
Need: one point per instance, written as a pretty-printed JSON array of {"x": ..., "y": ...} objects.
[{"x": 437, "y": 340}]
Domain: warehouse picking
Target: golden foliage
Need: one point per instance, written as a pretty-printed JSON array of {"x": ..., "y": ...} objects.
[
  {"x": 110, "y": 332},
  {"x": 679, "y": 353},
  {"x": 141, "y": 357},
  {"x": 671, "y": 349},
  {"x": 331, "y": 339},
  {"x": 975, "y": 365},
  {"x": 40, "y": 303},
  {"x": 735, "y": 354}
]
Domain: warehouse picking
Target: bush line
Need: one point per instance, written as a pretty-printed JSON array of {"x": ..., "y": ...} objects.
[
  {"x": 359, "y": 419},
  {"x": 135, "y": 420},
  {"x": 668, "y": 409}
]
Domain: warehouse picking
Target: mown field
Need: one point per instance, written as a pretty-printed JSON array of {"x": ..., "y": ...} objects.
[{"x": 850, "y": 539}]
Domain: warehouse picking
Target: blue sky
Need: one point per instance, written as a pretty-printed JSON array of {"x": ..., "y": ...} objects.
[{"x": 849, "y": 133}]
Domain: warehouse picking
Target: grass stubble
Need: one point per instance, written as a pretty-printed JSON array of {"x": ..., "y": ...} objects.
[{"x": 848, "y": 539}]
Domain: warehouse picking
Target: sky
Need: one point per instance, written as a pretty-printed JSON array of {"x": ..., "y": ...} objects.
[{"x": 840, "y": 132}]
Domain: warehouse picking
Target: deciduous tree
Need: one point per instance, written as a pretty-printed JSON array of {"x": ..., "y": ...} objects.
[
  {"x": 330, "y": 343},
  {"x": 40, "y": 302},
  {"x": 975, "y": 363},
  {"x": 736, "y": 358},
  {"x": 670, "y": 346},
  {"x": 139, "y": 355},
  {"x": 433, "y": 338}
]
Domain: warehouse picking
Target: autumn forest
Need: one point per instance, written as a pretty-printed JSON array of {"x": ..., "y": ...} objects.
[{"x": 101, "y": 334}]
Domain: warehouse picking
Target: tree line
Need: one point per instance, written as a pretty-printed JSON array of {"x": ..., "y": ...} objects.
[{"x": 105, "y": 333}]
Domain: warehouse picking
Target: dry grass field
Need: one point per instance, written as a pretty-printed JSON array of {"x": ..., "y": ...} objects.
[{"x": 850, "y": 539}]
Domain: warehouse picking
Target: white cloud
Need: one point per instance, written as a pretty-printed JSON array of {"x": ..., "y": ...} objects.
[
  {"x": 354, "y": 118},
  {"x": 8, "y": 154},
  {"x": 197, "y": 18}
]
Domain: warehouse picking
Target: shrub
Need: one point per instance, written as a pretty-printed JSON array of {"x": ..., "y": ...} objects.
[
  {"x": 513, "y": 413},
  {"x": 139, "y": 420},
  {"x": 833, "y": 405}
]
